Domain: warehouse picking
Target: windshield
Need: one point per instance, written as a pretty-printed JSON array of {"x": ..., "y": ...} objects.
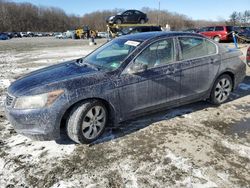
[{"x": 111, "y": 55}]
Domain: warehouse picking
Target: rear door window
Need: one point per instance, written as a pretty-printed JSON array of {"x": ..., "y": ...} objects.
[
  {"x": 219, "y": 28},
  {"x": 192, "y": 48}
]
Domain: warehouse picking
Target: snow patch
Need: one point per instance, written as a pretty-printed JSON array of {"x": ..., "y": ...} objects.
[
  {"x": 242, "y": 150},
  {"x": 179, "y": 112},
  {"x": 184, "y": 165},
  {"x": 22, "y": 146},
  {"x": 4, "y": 83}
]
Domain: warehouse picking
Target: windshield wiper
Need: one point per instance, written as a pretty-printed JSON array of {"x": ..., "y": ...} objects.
[{"x": 81, "y": 62}]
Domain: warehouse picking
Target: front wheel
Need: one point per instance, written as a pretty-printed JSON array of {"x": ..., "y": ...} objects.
[
  {"x": 87, "y": 121},
  {"x": 142, "y": 21},
  {"x": 221, "y": 89}
]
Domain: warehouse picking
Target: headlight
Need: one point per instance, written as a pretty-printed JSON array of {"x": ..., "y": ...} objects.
[
  {"x": 111, "y": 18},
  {"x": 37, "y": 101}
]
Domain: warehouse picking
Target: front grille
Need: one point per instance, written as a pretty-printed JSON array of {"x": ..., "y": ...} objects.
[{"x": 9, "y": 100}]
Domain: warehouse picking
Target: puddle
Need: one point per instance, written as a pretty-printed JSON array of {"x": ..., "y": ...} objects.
[{"x": 240, "y": 128}]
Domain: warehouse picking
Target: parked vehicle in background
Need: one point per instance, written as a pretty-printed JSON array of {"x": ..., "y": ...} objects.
[
  {"x": 60, "y": 35},
  {"x": 36, "y": 34},
  {"x": 138, "y": 29},
  {"x": 102, "y": 34},
  {"x": 192, "y": 30},
  {"x": 17, "y": 35},
  {"x": 9, "y": 34},
  {"x": 128, "y": 17},
  {"x": 218, "y": 33},
  {"x": 23, "y": 34},
  {"x": 30, "y": 34},
  {"x": 244, "y": 36},
  {"x": 4, "y": 36},
  {"x": 127, "y": 77},
  {"x": 71, "y": 34}
]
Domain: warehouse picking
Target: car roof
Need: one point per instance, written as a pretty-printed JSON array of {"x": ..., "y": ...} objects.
[{"x": 158, "y": 34}]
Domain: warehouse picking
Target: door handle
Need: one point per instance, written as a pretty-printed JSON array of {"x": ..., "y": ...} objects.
[{"x": 212, "y": 60}]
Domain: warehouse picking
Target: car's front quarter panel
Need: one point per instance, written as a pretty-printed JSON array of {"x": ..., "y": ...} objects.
[{"x": 44, "y": 123}]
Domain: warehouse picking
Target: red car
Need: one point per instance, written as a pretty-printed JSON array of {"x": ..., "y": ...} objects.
[{"x": 218, "y": 33}]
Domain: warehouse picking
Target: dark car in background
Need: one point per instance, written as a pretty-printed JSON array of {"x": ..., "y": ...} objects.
[
  {"x": 244, "y": 35},
  {"x": 138, "y": 29},
  {"x": 192, "y": 30},
  {"x": 130, "y": 76},
  {"x": 17, "y": 35},
  {"x": 128, "y": 17},
  {"x": 4, "y": 36},
  {"x": 218, "y": 33}
]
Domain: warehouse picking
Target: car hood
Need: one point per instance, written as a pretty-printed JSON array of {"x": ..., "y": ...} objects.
[{"x": 49, "y": 75}]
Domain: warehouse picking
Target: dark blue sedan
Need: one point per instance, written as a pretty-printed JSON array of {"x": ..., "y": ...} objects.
[
  {"x": 4, "y": 36},
  {"x": 127, "y": 77}
]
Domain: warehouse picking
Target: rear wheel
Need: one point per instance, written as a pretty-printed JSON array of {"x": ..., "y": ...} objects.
[
  {"x": 217, "y": 39},
  {"x": 221, "y": 89},
  {"x": 118, "y": 21},
  {"x": 87, "y": 121}
]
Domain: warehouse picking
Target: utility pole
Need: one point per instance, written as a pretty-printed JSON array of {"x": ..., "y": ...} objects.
[{"x": 159, "y": 12}]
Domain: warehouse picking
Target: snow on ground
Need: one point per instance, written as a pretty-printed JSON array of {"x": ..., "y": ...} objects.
[{"x": 197, "y": 145}]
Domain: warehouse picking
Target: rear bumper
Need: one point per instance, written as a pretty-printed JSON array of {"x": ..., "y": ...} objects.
[
  {"x": 241, "y": 73},
  {"x": 226, "y": 37}
]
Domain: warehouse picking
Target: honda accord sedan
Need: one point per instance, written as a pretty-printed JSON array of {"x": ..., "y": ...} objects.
[{"x": 130, "y": 76}]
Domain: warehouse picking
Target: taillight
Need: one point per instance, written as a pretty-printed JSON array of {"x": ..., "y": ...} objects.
[{"x": 248, "y": 56}]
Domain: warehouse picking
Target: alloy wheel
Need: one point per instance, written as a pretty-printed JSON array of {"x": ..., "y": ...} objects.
[
  {"x": 94, "y": 122},
  {"x": 223, "y": 90}
]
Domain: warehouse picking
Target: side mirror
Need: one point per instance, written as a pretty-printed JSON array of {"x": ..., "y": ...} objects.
[{"x": 138, "y": 67}]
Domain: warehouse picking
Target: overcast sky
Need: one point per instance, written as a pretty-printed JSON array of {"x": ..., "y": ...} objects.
[{"x": 196, "y": 9}]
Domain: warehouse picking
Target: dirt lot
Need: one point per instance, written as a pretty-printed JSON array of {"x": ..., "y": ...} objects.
[{"x": 197, "y": 145}]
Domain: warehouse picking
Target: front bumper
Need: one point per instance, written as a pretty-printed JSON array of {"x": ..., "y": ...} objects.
[{"x": 38, "y": 124}]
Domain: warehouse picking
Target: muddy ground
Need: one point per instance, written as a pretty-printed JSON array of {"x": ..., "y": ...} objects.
[{"x": 197, "y": 145}]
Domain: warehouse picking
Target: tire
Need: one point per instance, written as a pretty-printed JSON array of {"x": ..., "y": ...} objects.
[
  {"x": 217, "y": 39},
  {"x": 241, "y": 41},
  {"x": 84, "y": 124},
  {"x": 142, "y": 21},
  {"x": 118, "y": 21},
  {"x": 221, "y": 90}
]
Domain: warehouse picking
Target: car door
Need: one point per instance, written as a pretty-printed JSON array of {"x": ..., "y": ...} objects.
[
  {"x": 151, "y": 81},
  {"x": 199, "y": 66},
  {"x": 128, "y": 16},
  {"x": 137, "y": 16}
]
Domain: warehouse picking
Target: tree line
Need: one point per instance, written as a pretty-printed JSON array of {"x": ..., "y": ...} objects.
[
  {"x": 240, "y": 18},
  {"x": 16, "y": 17}
]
